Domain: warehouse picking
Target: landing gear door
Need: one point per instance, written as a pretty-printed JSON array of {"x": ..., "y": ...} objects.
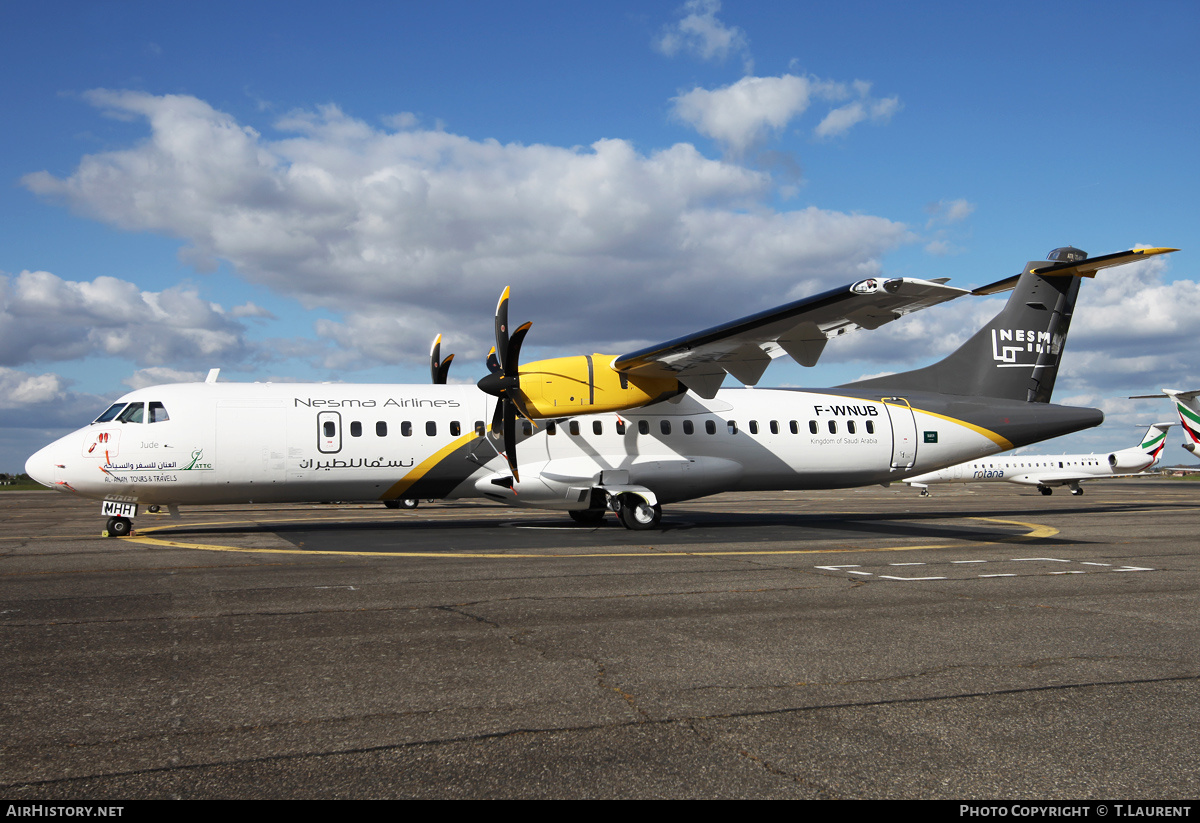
[
  {"x": 329, "y": 432},
  {"x": 904, "y": 432}
]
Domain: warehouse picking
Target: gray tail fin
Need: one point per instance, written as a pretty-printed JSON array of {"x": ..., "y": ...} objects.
[{"x": 1015, "y": 356}]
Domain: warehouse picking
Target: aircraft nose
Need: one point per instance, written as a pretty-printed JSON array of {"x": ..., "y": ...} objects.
[{"x": 41, "y": 466}]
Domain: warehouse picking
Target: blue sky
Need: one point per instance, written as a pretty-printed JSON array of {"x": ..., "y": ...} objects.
[{"x": 298, "y": 191}]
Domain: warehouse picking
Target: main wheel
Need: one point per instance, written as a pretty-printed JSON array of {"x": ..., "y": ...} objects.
[
  {"x": 587, "y": 517},
  {"x": 635, "y": 514},
  {"x": 1076, "y": 491},
  {"x": 1046, "y": 490},
  {"x": 402, "y": 503}
]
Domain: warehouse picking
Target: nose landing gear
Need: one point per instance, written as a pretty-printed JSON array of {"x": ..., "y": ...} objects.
[{"x": 117, "y": 527}]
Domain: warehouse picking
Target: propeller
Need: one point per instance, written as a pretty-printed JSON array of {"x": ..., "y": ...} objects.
[
  {"x": 503, "y": 382},
  {"x": 438, "y": 368}
]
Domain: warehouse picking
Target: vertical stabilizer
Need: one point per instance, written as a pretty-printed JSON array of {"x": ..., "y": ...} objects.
[{"x": 1016, "y": 356}]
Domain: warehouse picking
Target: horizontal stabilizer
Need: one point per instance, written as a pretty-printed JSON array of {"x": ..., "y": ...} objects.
[{"x": 1084, "y": 268}]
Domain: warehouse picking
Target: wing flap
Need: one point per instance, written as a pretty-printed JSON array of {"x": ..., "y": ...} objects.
[{"x": 800, "y": 329}]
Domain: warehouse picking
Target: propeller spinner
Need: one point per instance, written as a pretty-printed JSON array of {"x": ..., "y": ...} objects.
[{"x": 504, "y": 382}]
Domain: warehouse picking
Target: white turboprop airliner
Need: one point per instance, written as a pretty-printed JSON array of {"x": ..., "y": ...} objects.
[
  {"x": 625, "y": 433},
  {"x": 1047, "y": 471}
]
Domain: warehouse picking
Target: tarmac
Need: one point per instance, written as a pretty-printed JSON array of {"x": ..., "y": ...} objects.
[{"x": 986, "y": 642}]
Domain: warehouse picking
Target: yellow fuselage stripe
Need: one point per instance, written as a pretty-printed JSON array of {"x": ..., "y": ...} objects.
[{"x": 404, "y": 484}]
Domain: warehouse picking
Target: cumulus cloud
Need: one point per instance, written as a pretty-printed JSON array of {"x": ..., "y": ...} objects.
[
  {"x": 948, "y": 211},
  {"x": 30, "y": 400},
  {"x": 701, "y": 34},
  {"x": 744, "y": 113},
  {"x": 415, "y": 231},
  {"x": 46, "y": 318},
  {"x": 842, "y": 119}
]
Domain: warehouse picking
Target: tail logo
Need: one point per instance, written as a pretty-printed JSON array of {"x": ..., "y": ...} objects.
[{"x": 1009, "y": 344}]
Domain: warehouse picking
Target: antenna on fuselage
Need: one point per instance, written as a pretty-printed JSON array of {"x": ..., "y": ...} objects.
[{"x": 212, "y": 376}]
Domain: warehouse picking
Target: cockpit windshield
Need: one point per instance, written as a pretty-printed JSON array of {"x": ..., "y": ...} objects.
[
  {"x": 132, "y": 414},
  {"x": 110, "y": 413}
]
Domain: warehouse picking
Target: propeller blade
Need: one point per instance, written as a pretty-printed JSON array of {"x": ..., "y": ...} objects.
[
  {"x": 510, "y": 437},
  {"x": 493, "y": 362},
  {"x": 438, "y": 368},
  {"x": 502, "y": 328},
  {"x": 513, "y": 357}
]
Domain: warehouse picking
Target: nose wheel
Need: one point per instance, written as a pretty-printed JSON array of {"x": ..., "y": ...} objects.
[{"x": 118, "y": 527}]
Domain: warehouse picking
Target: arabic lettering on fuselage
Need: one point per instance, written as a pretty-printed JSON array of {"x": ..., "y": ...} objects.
[{"x": 356, "y": 463}]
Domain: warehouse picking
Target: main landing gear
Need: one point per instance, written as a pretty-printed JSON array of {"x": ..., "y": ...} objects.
[
  {"x": 402, "y": 503},
  {"x": 632, "y": 511}
]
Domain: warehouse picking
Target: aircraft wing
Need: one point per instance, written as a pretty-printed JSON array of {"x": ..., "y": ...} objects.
[{"x": 745, "y": 347}]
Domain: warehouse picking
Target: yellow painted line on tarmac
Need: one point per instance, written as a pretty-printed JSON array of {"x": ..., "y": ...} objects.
[{"x": 1036, "y": 531}]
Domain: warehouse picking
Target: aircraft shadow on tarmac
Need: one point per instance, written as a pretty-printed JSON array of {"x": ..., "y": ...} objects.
[{"x": 410, "y": 532}]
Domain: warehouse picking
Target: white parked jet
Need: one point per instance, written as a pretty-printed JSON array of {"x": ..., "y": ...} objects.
[
  {"x": 625, "y": 433},
  {"x": 1047, "y": 471}
]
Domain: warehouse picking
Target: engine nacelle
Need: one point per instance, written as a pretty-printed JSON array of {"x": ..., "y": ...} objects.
[
  {"x": 586, "y": 384},
  {"x": 1131, "y": 460}
]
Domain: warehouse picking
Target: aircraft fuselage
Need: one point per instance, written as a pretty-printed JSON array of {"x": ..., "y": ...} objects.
[{"x": 262, "y": 442}]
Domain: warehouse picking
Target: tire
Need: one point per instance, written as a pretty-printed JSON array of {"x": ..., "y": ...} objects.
[
  {"x": 1046, "y": 490},
  {"x": 402, "y": 503},
  {"x": 636, "y": 515},
  {"x": 118, "y": 527},
  {"x": 587, "y": 517}
]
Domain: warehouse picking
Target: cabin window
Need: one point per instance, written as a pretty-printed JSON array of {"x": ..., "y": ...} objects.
[
  {"x": 329, "y": 428},
  {"x": 455, "y": 428},
  {"x": 850, "y": 428},
  {"x": 643, "y": 427},
  {"x": 597, "y": 428},
  {"x": 664, "y": 426},
  {"x": 381, "y": 429},
  {"x": 480, "y": 431},
  {"x": 356, "y": 429},
  {"x": 526, "y": 428},
  {"x": 833, "y": 427},
  {"x": 688, "y": 427},
  {"x": 430, "y": 429},
  {"x": 710, "y": 426},
  {"x": 158, "y": 413},
  {"x": 732, "y": 424},
  {"x": 754, "y": 427},
  {"x": 795, "y": 427},
  {"x": 110, "y": 413},
  {"x": 774, "y": 427},
  {"x": 406, "y": 429},
  {"x": 574, "y": 427},
  {"x": 133, "y": 413},
  {"x": 620, "y": 426},
  {"x": 870, "y": 427},
  {"x": 551, "y": 428},
  {"x": 812, "y": 426}
]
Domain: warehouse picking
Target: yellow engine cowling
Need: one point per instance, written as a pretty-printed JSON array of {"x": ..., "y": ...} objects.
[{"x": 586, "y": 384}]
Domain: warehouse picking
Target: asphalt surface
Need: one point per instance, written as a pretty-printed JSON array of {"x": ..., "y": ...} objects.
[{"x": 986, "y": 642}]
